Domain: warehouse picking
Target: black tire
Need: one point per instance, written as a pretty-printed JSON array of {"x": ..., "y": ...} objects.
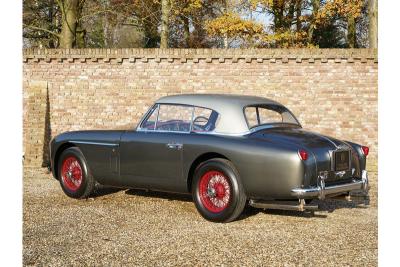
[
  {"x": 205, "y": 202},
  {"x": 87, "y": 183}
]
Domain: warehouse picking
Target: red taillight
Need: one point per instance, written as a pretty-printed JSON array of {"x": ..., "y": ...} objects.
[
  {"x": 365, "y": 150},
  {"x": 303, "y": 154}
]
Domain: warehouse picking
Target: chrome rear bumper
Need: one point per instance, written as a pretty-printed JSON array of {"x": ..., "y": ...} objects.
[{"x": 321, "y": 191}]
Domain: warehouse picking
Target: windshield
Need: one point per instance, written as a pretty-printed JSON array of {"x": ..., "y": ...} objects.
[{"x": 267, "y": 115}]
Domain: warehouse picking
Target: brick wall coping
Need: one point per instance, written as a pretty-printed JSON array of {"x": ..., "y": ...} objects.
[{"x": 133, "y": 54}]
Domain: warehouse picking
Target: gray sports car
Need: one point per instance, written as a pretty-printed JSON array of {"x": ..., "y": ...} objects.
[{"x": 226, "y": 150}]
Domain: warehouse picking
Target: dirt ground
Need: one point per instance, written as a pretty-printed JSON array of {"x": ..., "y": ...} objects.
[{"x": 135, "y": 228}]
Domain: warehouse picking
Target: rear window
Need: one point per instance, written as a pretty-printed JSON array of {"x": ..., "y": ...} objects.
[{"x": 268, "y": 114}]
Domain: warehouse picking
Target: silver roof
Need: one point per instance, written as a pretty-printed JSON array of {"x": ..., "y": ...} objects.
[{"x": 230, "y": 108}]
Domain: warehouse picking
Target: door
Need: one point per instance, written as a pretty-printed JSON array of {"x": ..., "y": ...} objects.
[{"x": 151, "y": 157}]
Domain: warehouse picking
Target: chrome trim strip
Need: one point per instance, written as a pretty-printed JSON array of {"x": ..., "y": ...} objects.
[
  {"x": 208, "y": 133},
  {"x": 268, "y": 126},
  {"x": 221, "y": 134},
  {"x": 158, "y": 114},
  {"x": 93, "y": 143},
  {"x": 191, "y": 121},
  {"x": 145, "y": 116},
  {"x": 192, "y": 132},
  {"x": 162, "y": 131}
]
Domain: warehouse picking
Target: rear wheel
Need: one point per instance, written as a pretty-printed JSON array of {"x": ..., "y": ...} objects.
[
  {"x": 217, "y": 191},
  {"x": 74, "y": 175}
]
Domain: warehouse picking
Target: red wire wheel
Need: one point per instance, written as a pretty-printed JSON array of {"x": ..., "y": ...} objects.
[
  {"x": 71, "y": 173},
  {"x": 215, "y": 191}
]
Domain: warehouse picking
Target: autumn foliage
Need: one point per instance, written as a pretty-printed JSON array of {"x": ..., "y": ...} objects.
[{"x": 197, "y": 23}]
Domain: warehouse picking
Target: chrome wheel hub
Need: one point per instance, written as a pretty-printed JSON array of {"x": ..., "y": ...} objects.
[{"x": 211, "y": 192}]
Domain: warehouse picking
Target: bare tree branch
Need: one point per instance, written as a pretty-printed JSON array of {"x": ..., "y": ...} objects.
[{"x": 41, "y": 29}]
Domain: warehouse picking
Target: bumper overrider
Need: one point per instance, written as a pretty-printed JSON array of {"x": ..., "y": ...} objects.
[{"x": 321, "y": 191}]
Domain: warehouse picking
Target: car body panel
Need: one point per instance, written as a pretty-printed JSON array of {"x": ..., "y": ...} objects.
[
  {"x": 148, "y": 162},
  {"x": 100, "y": 149},
  {"x": 266, "y": 158}
]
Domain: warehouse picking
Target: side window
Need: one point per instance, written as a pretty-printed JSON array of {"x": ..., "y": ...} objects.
[
  {"x": 178, "y": 118},
  {"x": 149, "y": 124},
  {"x": 174, "y": 118},
  {"x": 204, "y": 120},
  {"x": 262, "y": 115},
  {"x": 269, "y": 116}
]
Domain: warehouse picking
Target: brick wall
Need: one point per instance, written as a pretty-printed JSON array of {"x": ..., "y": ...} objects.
[
  {"x": 332, "y": 91},
  {"x": 34, "y": 124}
]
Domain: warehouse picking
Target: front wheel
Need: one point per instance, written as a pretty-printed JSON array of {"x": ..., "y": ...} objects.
[
  {"x": 74, "y": 174},
  {"x": 218, "y": 193}
]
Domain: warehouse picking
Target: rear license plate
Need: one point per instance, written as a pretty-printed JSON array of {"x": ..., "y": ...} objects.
[{"x": 342, "y": 160}]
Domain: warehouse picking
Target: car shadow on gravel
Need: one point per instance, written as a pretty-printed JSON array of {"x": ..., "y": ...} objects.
[
  {"x": 325, "y": 206},
  {"x": 330, "y": 205},
  {"x": 249, "y": 212},
  {"x": 299, "y": 214},
  {"x": 103, "y": 191},
  {"x": 161, "y": 195}
]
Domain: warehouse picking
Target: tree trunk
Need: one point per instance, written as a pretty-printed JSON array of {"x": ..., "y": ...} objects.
[
  {"x": 165, "y": 9},
  {"x": 278, "y": 6},
  {"x": 298, "y": 14},
  {"x": 229, "y": 4},
  {"x": 315, "y": 8},
  {"x": 290, "y": 14},
  {"x": 279, "y": 24},
  {"x": 351, "y": 32},
  {"x": 373, "y": 23},
  {"x": 80, "y": 37},
  {"x": 51, "y": 44},
  {"x": 198, "y": 34},
  {"x": 105, "y": 23},
  {"x": 186, "y": 31},
  {"x": 69, "y": 10}
]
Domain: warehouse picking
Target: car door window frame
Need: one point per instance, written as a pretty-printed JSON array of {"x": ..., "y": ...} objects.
[{"x": 157, "y": 107}]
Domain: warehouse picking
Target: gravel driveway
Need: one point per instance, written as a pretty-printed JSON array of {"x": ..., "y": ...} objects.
[{"x": 132, "y": 227}]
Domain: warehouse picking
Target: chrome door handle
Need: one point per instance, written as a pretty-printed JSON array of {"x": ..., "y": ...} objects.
[
  {"x": 174, "y": 146},
  {"x": 178, "y": 146},
  {"x": 171, "y": 145}
]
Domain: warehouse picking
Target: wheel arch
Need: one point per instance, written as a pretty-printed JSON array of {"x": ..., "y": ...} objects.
[
  {"x": 57, "y": 155},
  {"x": 200, "y": 159}
]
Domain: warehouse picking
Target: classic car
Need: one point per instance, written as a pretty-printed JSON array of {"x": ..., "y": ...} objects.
[{"x": 225, "y": 150}]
